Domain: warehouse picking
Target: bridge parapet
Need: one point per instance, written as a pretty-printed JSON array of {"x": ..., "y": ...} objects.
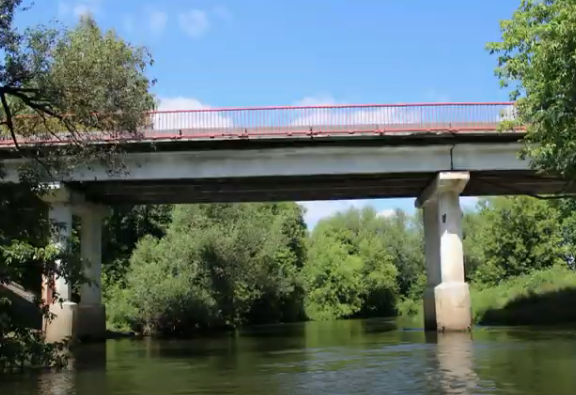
[{"x": 304, "y": 121}]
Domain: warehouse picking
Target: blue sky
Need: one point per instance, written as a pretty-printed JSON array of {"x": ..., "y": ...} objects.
[{"x": 282, "y": 52}]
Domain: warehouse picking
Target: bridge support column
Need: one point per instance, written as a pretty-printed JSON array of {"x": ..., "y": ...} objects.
[
  {"x": 57, "y": 291},
  {"x": 447, "y": 295},
  {"x": 91, "y": 312},
  {"x": 87, "y": 319}
]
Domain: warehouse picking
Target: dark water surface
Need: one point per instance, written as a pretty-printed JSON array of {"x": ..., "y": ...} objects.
[{"x": 346, "y": 357}]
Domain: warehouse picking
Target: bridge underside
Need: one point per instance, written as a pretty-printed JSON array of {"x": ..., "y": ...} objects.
[
  {"x": 293, "y": 169},
  {"x": 301, "y": 188}
]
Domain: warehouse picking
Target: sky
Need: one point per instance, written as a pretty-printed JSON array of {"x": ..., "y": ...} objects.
[{"x": 221, "y": 53}]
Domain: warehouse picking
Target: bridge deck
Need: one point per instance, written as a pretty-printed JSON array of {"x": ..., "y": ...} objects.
[
  {"x": 305, "y": 153},
  {"x": 292, "y": 132}
]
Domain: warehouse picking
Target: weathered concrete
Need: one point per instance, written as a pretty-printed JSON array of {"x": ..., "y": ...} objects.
[
  {"x": 453, "y": 311},
  {"x": 248, "y": 170},
  {"x": 91, "y": 311},
  {"x": 91, "y": 322},
  {"x": 289, "y": 161},
  {"x": 447, "y": 296},
  {"x": 62, "y": 325},
  {"x": 88, "y": 319}
]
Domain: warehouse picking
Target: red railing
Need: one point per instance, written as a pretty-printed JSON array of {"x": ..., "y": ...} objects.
[{"x": 322, "y": 120}]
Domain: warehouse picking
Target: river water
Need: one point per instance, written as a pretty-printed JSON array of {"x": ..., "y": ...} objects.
[{"x": 345, "y": 357}]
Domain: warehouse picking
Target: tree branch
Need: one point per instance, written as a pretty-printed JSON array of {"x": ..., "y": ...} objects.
[
  {"x": 19, "y": 93},
  {"x": 9, "y": 122}
]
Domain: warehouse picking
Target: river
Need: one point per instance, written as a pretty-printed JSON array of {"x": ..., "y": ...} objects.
[{"x": 344, "y": 357}]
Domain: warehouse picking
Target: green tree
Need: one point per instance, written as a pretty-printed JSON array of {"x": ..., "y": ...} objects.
[
  {"x": 404, "y": 239},
  {"x": 472, "y": 223},
  {"x": 56, "y": 83},
  {"x": 122, "y": 231},
  {"x": 536, "y": 60},
  {"x": 350, "y": 269},
  {"x": 517, "y": 235},
  {"x": 567, "y": 212},
  {"x": 229, "y": 265},
  {"x": 333, "y": 279}
]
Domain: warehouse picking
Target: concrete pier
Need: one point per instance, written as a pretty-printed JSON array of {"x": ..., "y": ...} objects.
[
  {"x": 447, "y": 295},
  {"x": 58, "y": 290},
  {"x": 86, "y": 319},
  {"x": 91, "y": 311}
]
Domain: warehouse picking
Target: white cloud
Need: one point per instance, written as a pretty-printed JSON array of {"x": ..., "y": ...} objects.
[
  {"x": 387, "y": 213},
  {"x": 180, "y": 103},
  {"x": 316, "y": 210},
  {"x": 157, "y": 21},
  {"x": 174, "y": 120},
  {"x": 79, "y": 8},
  {"x": 319, "y": 100},
  {"x": 194, "y": 23},
  {"x": 223, "y": 13},
  {"x": 349, "y": 116},
  {"x": 468, "y": 202}
]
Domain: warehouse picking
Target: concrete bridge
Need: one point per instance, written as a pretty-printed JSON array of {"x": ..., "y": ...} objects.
[{"x": 435, "y": 152}]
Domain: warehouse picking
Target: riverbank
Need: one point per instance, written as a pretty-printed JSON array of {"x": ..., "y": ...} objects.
[{"x": 543, "y": 297}]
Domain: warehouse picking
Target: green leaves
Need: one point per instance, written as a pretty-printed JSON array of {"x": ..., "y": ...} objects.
[
  {"x": 54, "y": 84},
  {"x": 359, "y": 264},
  {"x": 26, "y": 256},
  {"x": 218, "y": 265},
  {"x": 78, "y": 84},
  {"x": 514, "y": 236},
  {"x": 537, "y": 61}
]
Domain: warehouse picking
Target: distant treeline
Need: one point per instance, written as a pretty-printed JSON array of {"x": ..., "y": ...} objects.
[{"x": 173, "y": 270}]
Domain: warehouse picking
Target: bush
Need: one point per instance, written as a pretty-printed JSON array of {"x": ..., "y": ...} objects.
[
  {"x": 218, "y": 266},
  {"x": 351, "y": 269},
  {"x": 543, "y": 297},
  {"x": 517, "y": 235}
]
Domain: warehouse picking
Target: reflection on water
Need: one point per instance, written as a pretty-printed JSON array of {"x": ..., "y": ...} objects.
[
  {"x": 454, "y": 371},
  {"x": 345, "y": 357}
]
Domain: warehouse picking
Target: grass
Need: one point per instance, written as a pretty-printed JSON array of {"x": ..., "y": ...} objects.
[{"x": 543, "y": 297}]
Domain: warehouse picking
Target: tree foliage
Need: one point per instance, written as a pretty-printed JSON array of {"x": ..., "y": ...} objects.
[
  {"x": 122, "y": 231},
  {"x": 232, "y": 265},
  {"x": 218, "y": 266},
  {"x": 56, "y": 83},
  {"x": 515, "y": 236},
  {"x": 360, "y": 264},
  {"x": 77, "y": 85},
  {"x": 26, "y": 256},
  {"x": 536, "y": 60}
]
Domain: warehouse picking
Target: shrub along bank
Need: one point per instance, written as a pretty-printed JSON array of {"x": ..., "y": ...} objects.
[
  {"x": 222, "y": 266},
  {"x": 543, "y": 297}
]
